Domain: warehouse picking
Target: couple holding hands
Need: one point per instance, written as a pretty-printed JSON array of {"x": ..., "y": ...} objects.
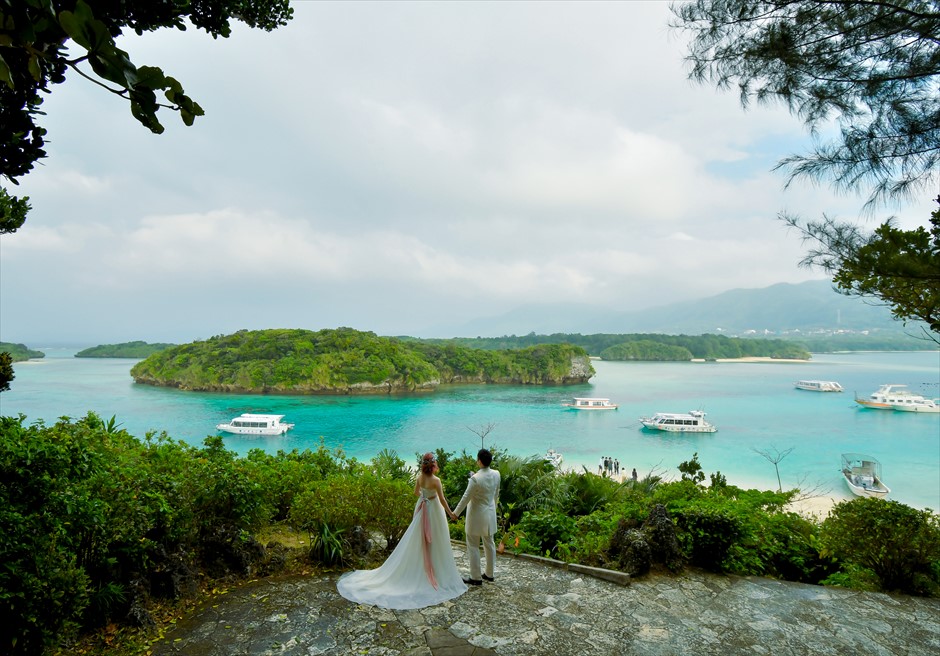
[{"x": 421, "y": 571}]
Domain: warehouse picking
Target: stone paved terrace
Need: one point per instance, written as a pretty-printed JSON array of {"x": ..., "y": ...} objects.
[{"x": 535, "y": 609}]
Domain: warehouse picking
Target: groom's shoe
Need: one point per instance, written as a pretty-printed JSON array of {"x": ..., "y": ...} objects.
[
  {"x": 488, "y": 578},
  {"x": 472, "y": 582}
]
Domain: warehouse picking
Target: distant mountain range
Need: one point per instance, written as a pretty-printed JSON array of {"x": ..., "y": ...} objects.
[{"x": 784, "y": 308}]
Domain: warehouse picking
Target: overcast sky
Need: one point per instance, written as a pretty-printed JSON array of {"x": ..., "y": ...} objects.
[{"x": 404, "y": 168}]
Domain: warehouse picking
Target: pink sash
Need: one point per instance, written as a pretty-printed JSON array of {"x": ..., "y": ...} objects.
[{"x": 426, "y": 541}]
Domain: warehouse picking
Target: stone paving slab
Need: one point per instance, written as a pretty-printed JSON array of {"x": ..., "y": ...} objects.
[{"x": 534, "y": 609}]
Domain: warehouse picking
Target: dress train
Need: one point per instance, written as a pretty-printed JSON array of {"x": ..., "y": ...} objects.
[{"x": 418, "y": 573}]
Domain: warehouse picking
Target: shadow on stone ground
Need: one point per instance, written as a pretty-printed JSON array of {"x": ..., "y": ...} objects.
[{"x": 535, "y": 609}]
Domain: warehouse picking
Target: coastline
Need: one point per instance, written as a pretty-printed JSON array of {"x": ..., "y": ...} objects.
[
  {"x": 755, "y": 359},
  {"x": 815, "y": 507}
]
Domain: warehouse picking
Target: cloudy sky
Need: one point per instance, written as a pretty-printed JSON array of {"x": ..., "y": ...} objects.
[{"x": 404, "y": 168}]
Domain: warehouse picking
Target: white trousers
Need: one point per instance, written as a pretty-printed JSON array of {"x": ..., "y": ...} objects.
[{"x": 473, "y": 554}]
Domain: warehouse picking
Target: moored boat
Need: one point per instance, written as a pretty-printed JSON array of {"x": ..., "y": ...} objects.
[
  {"x": 554, "y": 458},
  {"x": 692, "y": 422},
  {"x": 591, "y": 403},
  {"x": 898, "y": 397},
  {"x": 252, "y": 424},
  {"x": 818, "y": 385},
  {"x": 863, "y": 475},
  {"x": 918, "y": 405}
]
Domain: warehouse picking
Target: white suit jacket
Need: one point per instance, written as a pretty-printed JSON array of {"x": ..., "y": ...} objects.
[{"x": 480, "y": 501}]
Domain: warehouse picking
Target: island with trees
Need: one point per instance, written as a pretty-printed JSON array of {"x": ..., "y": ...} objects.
[
  {"x": 123, "y": 350},
  {"x": 20, "y": 352},
  {"x": 650, "y": 347},
  {"x": 347, "y": 361}
]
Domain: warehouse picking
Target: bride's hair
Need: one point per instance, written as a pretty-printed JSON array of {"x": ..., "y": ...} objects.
[{"x": 428, "y": 460}]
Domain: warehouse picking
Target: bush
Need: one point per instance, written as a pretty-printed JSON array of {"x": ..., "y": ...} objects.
[
  {"x": 545, "y": 531},
  {"x": 43, "y": 589},
  {"x": 591, "y": 541},
  {"x": 283, "y": 476},
  {"x": 391, "y": 504},
  {"x": 786, "y": 546},
  {"x": 707, "y": 533},
  {"x": 898, "y": 544}
]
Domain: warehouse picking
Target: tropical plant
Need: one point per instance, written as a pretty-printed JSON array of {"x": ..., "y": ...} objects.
[
  {"x": 390, "y": 503},
  {"x": 898, "y": 544},
  {"x": 387, "y": 464},
  {"x": 692, "y": 470},
  {"x": 544, "y": 531}
]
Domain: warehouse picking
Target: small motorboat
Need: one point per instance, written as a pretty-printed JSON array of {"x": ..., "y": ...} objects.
[
  {"x": 863, "y": 475},
  {"x": 554, "y": 458},
  {"x": 692, "y": 422},
  {"x": 818, "y": 385},
  {"x": 591, "y": 403},
  {"x": 250, "y": 424}
]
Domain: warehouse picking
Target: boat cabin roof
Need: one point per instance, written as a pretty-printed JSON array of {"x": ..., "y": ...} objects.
[
  {"x": 255, "y": 417},
  {"x": 694, "y": 414}
]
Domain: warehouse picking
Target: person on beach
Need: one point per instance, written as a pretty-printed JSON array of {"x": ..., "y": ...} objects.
[
  {"x": 634, "y": 474},
  {"x": 480, "y": 501},
  {"x": 421, "y": 571}
]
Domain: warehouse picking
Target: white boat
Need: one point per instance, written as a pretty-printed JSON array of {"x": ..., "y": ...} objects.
[
  {"x": 554, "y": 458},
  {"x": 591, "y": 403},
  {"x": 693, "y": 422},
  {"x": 249, "y": 424},
  {"x": 898, "y": 397},
  {"x": 918, "y": 405},
  {"x": 818, "y": 385},
  {"x": 863, "y": 475}
]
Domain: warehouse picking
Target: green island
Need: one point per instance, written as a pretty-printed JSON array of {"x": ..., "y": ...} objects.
[
  {"x": 135, "y": 350},
  {"x": 347, "y": 361},
  {"x": 649, "y": 346},
  {"x": 108, "y": 537},
  {"x": 19, "y": 352}
]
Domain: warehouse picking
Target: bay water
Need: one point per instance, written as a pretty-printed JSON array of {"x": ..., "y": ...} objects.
[{"x": 754, "y": 405}]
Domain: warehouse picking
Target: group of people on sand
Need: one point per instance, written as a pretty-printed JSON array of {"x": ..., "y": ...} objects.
[
  {"x": 422, "y": 571},
  {"x": 608, "y": 466}
]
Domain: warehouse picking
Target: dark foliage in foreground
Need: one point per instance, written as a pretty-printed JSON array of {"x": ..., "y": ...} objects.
[{"x": 96, "y": 525}]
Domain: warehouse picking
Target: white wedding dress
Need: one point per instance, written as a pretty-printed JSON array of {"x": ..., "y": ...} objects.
[{"x": 418, "y": 573}]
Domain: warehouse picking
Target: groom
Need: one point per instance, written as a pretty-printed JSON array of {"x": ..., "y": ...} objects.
[{"x": 480, "y": 502}]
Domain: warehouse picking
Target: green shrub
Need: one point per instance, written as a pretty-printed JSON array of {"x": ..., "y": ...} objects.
[
  {"x": 546, "y": 530},
  {"x": 786, "y": 546},
  {"x": 43, "y": 589},
  {"x": 707, "y": 532},
  {"x": 899, "y": 544},
  {"x": 283, "y": 476},
  {"x": 390, "y": 507},
  {"x": 591, "y": 540},
  {"x": 586, "y": 493},
  {"x": 387, "y": 464}
]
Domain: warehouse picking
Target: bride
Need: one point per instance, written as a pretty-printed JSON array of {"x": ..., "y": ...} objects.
[{"x": 421, "y": 570}]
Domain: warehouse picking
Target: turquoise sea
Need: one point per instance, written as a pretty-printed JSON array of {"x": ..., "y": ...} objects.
[{"x": 754, "y": 406}]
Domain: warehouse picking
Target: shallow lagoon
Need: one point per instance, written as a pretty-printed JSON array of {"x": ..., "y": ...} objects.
[{"x": 754, "y": 405}]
